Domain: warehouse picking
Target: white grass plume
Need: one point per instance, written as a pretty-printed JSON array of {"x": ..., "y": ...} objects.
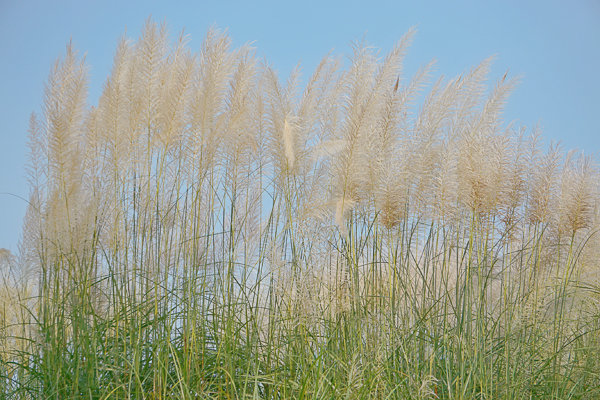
[
  {"x": 288, "y": 142},
  {"x": 206, "y": 205}
]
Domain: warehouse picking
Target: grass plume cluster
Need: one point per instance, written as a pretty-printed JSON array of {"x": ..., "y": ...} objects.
[{"x": 211, "y": 231}]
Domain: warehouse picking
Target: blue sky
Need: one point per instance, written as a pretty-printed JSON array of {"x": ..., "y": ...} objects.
[{"x": 554, "y": 44}]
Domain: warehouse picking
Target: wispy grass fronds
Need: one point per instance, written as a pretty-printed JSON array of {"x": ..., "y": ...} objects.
[{"x": 209, "y": 230}]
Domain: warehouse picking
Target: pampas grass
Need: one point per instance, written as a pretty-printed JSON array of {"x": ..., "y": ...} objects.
[{"x": 210, "y": 231}]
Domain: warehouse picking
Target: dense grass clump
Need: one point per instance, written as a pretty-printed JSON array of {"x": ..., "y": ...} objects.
[{"x": 209, "y": 231}]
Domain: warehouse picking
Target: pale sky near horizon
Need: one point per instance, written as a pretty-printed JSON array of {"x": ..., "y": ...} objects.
[{"x": 553, "y": 44}]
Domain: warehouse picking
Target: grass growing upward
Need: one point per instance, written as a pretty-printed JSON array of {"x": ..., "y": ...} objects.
[{"x": 211, "y": 231}]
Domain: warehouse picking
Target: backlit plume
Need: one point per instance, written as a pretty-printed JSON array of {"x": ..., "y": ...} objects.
[{"x": 209, "y": 229}]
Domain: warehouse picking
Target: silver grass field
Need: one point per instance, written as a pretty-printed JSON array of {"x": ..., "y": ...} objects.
[{"x": 210, "y": 231}]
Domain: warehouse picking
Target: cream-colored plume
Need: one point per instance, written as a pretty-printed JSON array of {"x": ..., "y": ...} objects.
[{"x": 288, "y": 142}]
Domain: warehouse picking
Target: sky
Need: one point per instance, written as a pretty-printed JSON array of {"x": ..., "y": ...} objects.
[{"x": 554, "y": 45}]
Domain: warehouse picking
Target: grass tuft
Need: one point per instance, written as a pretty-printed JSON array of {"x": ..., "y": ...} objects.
[{"x": 209, "y": 231}]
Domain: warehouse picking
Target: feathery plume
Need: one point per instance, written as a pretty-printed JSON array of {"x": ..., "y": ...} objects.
[{"x": 288, "y": 142}]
